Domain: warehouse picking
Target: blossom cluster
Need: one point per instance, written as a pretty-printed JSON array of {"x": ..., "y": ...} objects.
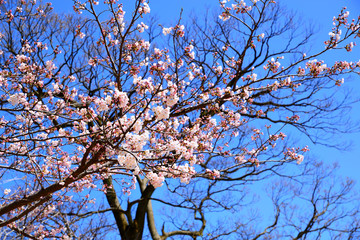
[{"x": 133, "y": 109}]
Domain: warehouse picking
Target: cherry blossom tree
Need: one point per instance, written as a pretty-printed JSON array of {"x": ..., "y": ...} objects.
[{"x": 113, "y": 125}]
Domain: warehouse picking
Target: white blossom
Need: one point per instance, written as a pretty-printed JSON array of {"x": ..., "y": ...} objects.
[{"x": 161, "y": 113}]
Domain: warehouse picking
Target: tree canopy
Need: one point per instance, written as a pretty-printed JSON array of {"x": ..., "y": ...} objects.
[{"x": 114, "y": 125}]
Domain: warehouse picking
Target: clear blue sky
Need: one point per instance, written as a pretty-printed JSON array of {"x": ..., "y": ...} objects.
[{"x": 319, "y": 12}]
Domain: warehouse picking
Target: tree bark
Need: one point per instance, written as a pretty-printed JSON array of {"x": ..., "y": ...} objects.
[{"x": 130, "y": 229}]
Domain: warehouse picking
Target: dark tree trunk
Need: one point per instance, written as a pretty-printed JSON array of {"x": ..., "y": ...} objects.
[{"x": 130, "y": 229}]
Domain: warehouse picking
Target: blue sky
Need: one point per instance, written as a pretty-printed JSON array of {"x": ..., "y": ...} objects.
[
  {"x": 318, "y": 12},
  {"x": 321, "y": 12}
]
